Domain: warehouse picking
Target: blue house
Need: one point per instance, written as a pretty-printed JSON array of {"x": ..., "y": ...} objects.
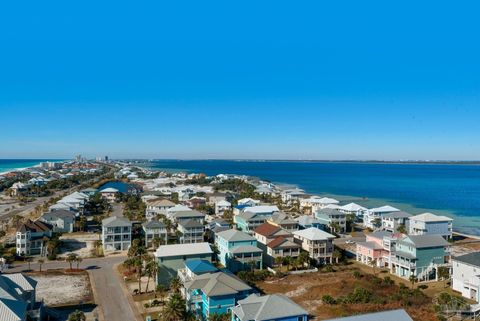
[
  {"x": 214, "y": 293},
  {"x": 273, "y": 307},
  {"x": 419, "y": 255},
  {"x": 238, "y": 250}
]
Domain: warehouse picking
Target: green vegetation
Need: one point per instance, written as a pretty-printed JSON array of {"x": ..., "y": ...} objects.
[
  {"x": 77, "y": 316},
  {"x": 251, "y": 277},
  {"x": 134, "y": 208}
]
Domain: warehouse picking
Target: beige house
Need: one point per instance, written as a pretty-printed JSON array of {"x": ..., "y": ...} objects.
[{"x": 318, "y": 243}]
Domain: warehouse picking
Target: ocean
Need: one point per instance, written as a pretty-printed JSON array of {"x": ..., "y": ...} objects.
[
  {"x": 12, "y": 164},
  {"x": 444, "y": 189}
]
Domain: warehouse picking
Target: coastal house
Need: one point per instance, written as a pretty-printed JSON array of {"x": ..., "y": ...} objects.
[
  {"x": 110, "y": 194},
  {"x": 431, "y": 224},
  {"x": 284, "y": 221},
  {"x": 275, "y": 242},
  {"x": 190, "y": 231},
  {"x": 248, "y": 202},
  {"x": 155, "y": 207},
  {"x": 19, "y": 188},
  {"x": 196, "y": 201},
  {"x": 177, "y": 208},
  {"x": 393, "y": 315},
  {"x": 254, "y": 216},
  {"x": 193, "y": 268},
  {"x": 372, "y": 218},
  {"x": 171, "y": 258},
  {"x": 273, "y": 307},
  {"x": 378, "y": 247},
  {"x": 30, "y": 237},
  {"x": 290, "y": 195},
  {"x": 89, "y": 191},
  {"x": 18, "y": 298},
  {"x": 62, "y": 221},
  {"x": 306, "y": 221},
  {"x": 238, "y": 250},
  {"x": 332, "y": 219},
  {"x": 318, "y": 244},
  {"x": 75, "y": 200},
  {"x": 222, "y": 206},
  {"x": 419, "y": 255},
  {"x": 213, "y": 198},
  {"x": 392, "y": 222},
  {"x": 154, "y": 229},
  {"x": 315, "y": 203},
  {"x": 353, "y": 208},
  {"x": 214, "y": 293},
  {"x": 182, "y": 216},
  {"x": 466, "y": 275},
  {"x": 116, "y": 234}
]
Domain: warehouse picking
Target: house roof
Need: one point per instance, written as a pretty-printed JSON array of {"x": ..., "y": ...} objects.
[
  {"x": 282, "y": 242},
  {"x": 267, "y": 229},
  {"x": 429, "y": 217},
  {"x": 190, "y": 224},
  {"x": 394, "y": 315},
  {"x": 233, "y": 235},
  {"x": 198, "y": 266},
  {"x": 352, "y": 207},
  {"x": 313, "y": 233},
  {"x": 34, "y": 226},
  {"x": 188, "y": 214},
  {"x": 399, "y": 214},
  {"x": 307, "y": 220},
  {"x": 223, "y": 203},
  {"x": 183, "y": 249},
  {"x": 262, "y": 209},
  {"x": 423, "y": 241},
  {"x": 115, "y": 221},
  {"x": 59, "y": 213},
  {"x": 384, "y": 209},
  {"x": 217, "y": 284},
  {"x": 370, "y": 245},
  {"x": 380, "y": 234},
  {"x": 470, "y": 258},
  {"x": 109, "y": 190},
  {"x": 245, "y": 249},
  {"x": 267, "y": 307},
  {"x": 161, "y": 202},
  {"x": 153, "y": 224},
  {"x": 329, "y": 212},
  {"x": 12, "y": 306}
]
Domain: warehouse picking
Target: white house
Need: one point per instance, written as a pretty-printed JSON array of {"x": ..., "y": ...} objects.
[
  {"x": 222, "y": 206},
  {"x": 116, "y": 234},
  {"x": 248, "y": 202},
  {"x": 373, "y": 217},
  {"x": 316, "y": 203},
  {"x": 429, "y": 224},
  {"x": 62, "y": 221},
  {"x": 466, "y": 275},
  {"x": 392, "y": 221},
  {"x": 110, "y": 194},
  {"x": 353, "y": 208},
  {"x": 318, "y": 244},
  {"x": 157, "y": 207}
]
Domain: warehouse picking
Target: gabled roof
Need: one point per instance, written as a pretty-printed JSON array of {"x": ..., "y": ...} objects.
[
  {"x": 470, "y": 258},
  {"x": 267, "y": 307},
  {"x": 198, "y": 266},
  {"x": 59, "y": 214},
  {"x": 384, "y": 209},
  {"x": 233, "y": 235},
  {"x": 183, "y": 249},
  {"x": 329, "y": 212},
  {"x": 394, "y": 315},
  {"x": 161, "y": 203},
  {"x": 352, "y": 207},
  {"x": 245, "y": 249},
  {"x": 429, "y": 217},
  {"x": 262, "y": 209},
  {"x": 371, "y": 245},
  {"x": 282, "y": 242},
  {"x": 399, "y": 214},
  {"x": 313, "y": 234},
  {"x": 153, "y": 224},
  {"x": 307, "y": 220},
  {"x": 190, "y": 224},
  {"x": 267, "y": 229},
  {"x": 188, "y": 214},
  {"x": 115, "y": 221},
  {"x": 217, "y": 284},
  {"x": 380, "y": 234},
  {"x": 424, "y": 241},
  {"x": 37, "y": 226}
]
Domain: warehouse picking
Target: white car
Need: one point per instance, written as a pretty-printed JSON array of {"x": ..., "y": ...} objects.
[{"x": 350, "y": 242}]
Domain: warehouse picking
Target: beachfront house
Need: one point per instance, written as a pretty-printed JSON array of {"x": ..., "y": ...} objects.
[
  {"x": 306, "y": 221},
  {"x": 273, "y": 307},
  {"x": 466, "y": 275},
  {"x": 315, "y": 203},
  {"x": 284, "y": 221},
  {"x": 172, "y": 258},
  {"x": 238, "y": 250},
  {"x": 248, "y": 202},
  {"x": 396, "y": 222},
  {"x": 275, "y": 242},
  {"x": 62, "y": 221},
  {"x": 30, "y": 238},
  {"x": 18, "y": 300},
  {"x": 154, "y": 230},
  {"x": 290, "y": 195},
  {"x": 109, "y": 194},
  {"x": 377, "y": 248},
  {"x": 372, "y": 218},
  {"x": 420, "y": 255},
  {"x": 318, "y": 244},
  {"x": 252, "y": 217},
  {"x": 157, "y": 207},
  {"x": 334, "y": 220},
  {"x": 190, "y": 231},
  {"x": 116, "y": 234},
  {"x": 353, "y": 208},
  {"x": 431, "y": 224},
  {"x": 214, "y": 293}
]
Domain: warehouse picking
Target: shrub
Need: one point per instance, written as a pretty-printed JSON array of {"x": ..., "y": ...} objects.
[
  {"x": 357, "y": 275},
  {"x": 328, "y": 299},
  {"x": 388, "y": 280}
]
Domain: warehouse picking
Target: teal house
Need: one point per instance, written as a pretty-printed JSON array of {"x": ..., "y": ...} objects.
[
  {"x": 214, "y": 293},
  {"x": 419, "y": 255},
  {"x": 238, "y": 251}
]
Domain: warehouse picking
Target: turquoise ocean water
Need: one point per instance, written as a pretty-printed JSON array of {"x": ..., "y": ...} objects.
[{"x": 452, "y": 190}]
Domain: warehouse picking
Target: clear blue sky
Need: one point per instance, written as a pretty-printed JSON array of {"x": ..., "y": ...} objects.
[{"x": 240, "y": 79}]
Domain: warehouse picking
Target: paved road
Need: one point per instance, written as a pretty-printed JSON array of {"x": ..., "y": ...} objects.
[{"x": 108, "y": 292}]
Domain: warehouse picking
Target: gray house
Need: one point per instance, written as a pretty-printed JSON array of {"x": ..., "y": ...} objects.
[
  {"x": 154, "y": 229},
  {"x": 63, "y": 221},
  {"x": 116, "y": 234}
]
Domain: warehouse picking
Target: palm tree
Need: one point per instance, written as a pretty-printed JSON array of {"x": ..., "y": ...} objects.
[
  {"x": 175, "y": 285},
  {"x": 150, "y": 269},
  {"x": 219, "y": 317},
  {"x": 287, "y": 261},
  {"x": 304, "y": 258},
  {"x": 373, "y": 264},
  {"x": 278, "y": 261},
  {"x": 413, "y": 279},
  {"x": 97, "y": 245},
  {"x": 40, "y": 263},
  {"x": 29, "y": 261},
  {"x": 174, "y": 310},
  {"x": 337, "y": 255},
  {"x": 444, "y": 274},
  {"x": 138, "y": 263},
  {"x": 72, "y": 257},
  {"x": 402, "y": 229},
  {"x": 78, "y": 260},
  {"x": 161, "y": 290}
]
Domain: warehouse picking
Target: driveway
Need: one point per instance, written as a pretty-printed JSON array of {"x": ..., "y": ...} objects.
[{"x": 109, "y": 294}]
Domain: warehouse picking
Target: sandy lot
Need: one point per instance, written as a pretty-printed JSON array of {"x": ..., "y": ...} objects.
[
  {"x": 58, "y": 289},
  {"x": 80, "y": 243}
]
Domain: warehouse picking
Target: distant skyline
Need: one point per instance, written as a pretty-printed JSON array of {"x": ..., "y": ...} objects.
[{"x": 249, "y": 80}]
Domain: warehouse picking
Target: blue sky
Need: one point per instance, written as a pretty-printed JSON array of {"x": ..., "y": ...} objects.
[{"x": 249, "y": 79}]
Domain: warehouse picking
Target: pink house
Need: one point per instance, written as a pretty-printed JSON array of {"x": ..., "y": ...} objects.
[{"x": 377, "y": 246}]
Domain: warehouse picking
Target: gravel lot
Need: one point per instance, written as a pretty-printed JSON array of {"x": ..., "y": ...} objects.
[{"x": 58, "y": 289}]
